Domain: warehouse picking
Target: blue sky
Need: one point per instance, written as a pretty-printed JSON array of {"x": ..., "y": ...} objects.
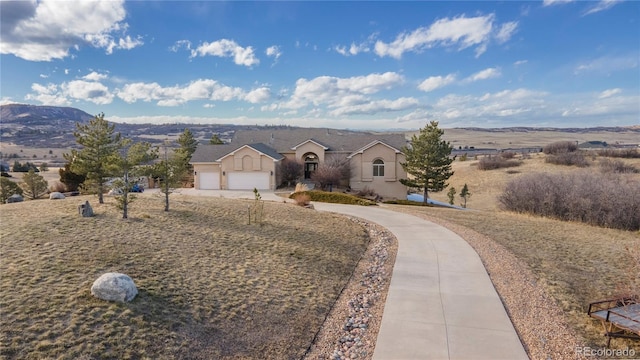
[{"x": 358, "y": 65}]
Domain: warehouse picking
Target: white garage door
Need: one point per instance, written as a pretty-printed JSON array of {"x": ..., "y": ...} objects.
[
  {"x": 209, "y": 181},
  {"x": 248, "y": 180}
]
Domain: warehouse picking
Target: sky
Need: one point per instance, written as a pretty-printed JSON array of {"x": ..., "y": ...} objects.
[{"x": 372, "y": 65}]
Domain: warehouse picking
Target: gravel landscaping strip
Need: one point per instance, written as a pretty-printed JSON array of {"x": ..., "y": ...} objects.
[{"x": 352, "y": 326}]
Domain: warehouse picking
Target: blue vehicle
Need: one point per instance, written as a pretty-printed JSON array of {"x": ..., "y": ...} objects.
[{"x": 137, "y": 188}]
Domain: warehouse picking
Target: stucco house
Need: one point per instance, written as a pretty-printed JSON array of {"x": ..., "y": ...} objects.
[{"x": 253, "y": 159}]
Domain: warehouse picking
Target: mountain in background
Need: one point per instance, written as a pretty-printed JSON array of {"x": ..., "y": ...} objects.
[
  {"x": 53, "y": 127},
  {"x": 41, "y": 115}
]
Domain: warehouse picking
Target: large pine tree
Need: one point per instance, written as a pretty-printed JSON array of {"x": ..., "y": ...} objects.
[
  {"x": 98, "y": 158},
  {"x": 427, "y": 160}
]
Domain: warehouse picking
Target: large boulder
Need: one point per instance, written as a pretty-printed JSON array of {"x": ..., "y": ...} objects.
[
  {"x": 114, "y": 287},
  {"x": 85, "y": 209},
  {"x": 56, "y": 195}
]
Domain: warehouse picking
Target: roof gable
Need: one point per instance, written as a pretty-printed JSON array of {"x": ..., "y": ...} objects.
[
  {"x": 309, "y": 141},
  {"x": 262, "y": 149},
  {"x": 372, "y": 144}
]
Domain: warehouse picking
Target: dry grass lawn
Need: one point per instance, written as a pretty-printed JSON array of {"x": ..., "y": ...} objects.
[
  {"x": 576, "y": 263},
  {"x": 210, "y": 285}
]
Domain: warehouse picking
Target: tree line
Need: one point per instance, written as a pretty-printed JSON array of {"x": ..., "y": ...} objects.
[{"x": 105, "y": 155}]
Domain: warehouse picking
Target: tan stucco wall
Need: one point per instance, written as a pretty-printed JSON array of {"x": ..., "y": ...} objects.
[
  {"x": 247, "y": 160},
  {"x": 310, "y": 147},
  {"x": 389, "y": 185}
]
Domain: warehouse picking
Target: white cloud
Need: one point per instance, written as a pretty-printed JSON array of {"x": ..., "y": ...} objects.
[
  {"x": 180, "y": 44},
  {"x": 485, "y": 74},
  {"x": 227, "y": 48},
  {"x": 609, "y": 93},
  {"x": 520, "y": 62},
  {"x": 7, "y": 101},
  {"x": 555, "y": 2},
  {"x": 44, "y": 76},
  {"x": 48, "y": 29},
  {"x": 94, "y": 76},
  {"x": 201, "y": 89},
  {"x": 601, "y": 6},
  {"x": 48, "y": 95},
  {"x": 66, "y": 71},
  {"x": 608, "y": 64},
  {"x": 376, "y": 107},
  {"x": 274, "y": 51},
  {"x": 354, "y": 49},
  {"x": 344, "y": 96},
  {"x": 435, "y": 82},
  {"x": 258, "y": 95},
  {"x": 65, "y": 93},
  {"x": 461, "y": 32},
  {"x": 88, "y": 90},
  {"x": 506, "y": 31}
]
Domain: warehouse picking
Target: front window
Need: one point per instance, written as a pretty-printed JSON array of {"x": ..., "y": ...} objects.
[{"x": 378, "y": 167}]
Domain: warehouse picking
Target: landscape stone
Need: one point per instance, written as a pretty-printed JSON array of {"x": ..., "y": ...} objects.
[
  {"x": 15, "y": 198},
  {"x": 114, "y": 287},
  {"x": 56, "y": 195},
  {"x": 85, "y": 209}
]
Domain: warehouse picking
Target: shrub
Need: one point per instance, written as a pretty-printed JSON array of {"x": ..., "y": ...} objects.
[
  {"x": 606, "y": 200},
  {"x": 367, "y": 192},
  {"x": 300, "y": 187},
  {"x": 8, "y": 188},
  {"x": 629, "y": 153},
  {"x": 568, "y": 159},
  {"x": 560, "y": 147},
  {"x": 291, "y": 171},
  {"x": 508, "y": 155},
  {"x": 334, "y": 197},
  {"x": 496, "y": 162},
  {"x": 407, "y": 202},
  {"x": 331, "y": 172},
  {"x": 617, "y": 167},
  {"x": 301, "y": 199}
]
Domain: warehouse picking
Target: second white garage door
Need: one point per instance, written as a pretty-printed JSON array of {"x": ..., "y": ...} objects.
[{"x": 248, "y": 180}]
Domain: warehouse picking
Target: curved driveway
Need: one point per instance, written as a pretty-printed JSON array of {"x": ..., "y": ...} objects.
[{"x": 441, "y": 303}]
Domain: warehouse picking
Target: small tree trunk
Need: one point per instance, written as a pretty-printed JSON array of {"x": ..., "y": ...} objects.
[
  {"x": 100, "y": 197},
  {"x": 426, "y": 193}
]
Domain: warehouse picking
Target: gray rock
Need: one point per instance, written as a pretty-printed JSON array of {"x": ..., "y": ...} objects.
[
  {"x": 85, "y": 209},
  {"x": 114, "y": 287},
  {"x": 15, "y": 198},
  {"x": 56, "y": 195}
]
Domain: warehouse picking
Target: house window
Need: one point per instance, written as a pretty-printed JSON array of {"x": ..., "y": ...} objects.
[{"x": 378, "y": 167}]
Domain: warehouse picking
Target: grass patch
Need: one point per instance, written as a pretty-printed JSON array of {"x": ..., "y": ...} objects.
[
  {"x": 210, "y": 286},
  {"x": 333, "y": 197}
]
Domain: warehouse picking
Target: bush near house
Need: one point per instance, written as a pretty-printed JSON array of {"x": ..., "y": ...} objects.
[
  {"x": 630, "y": 153},
  {"x": 333, "y": 197}
]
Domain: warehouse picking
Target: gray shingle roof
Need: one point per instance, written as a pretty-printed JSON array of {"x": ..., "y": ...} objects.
[
  {"x": 274, "y": 142},
  {"x": 282, "y": 140}
]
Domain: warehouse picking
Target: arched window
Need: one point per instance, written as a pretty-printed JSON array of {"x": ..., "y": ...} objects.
[{"x": 378, "y": 167}]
